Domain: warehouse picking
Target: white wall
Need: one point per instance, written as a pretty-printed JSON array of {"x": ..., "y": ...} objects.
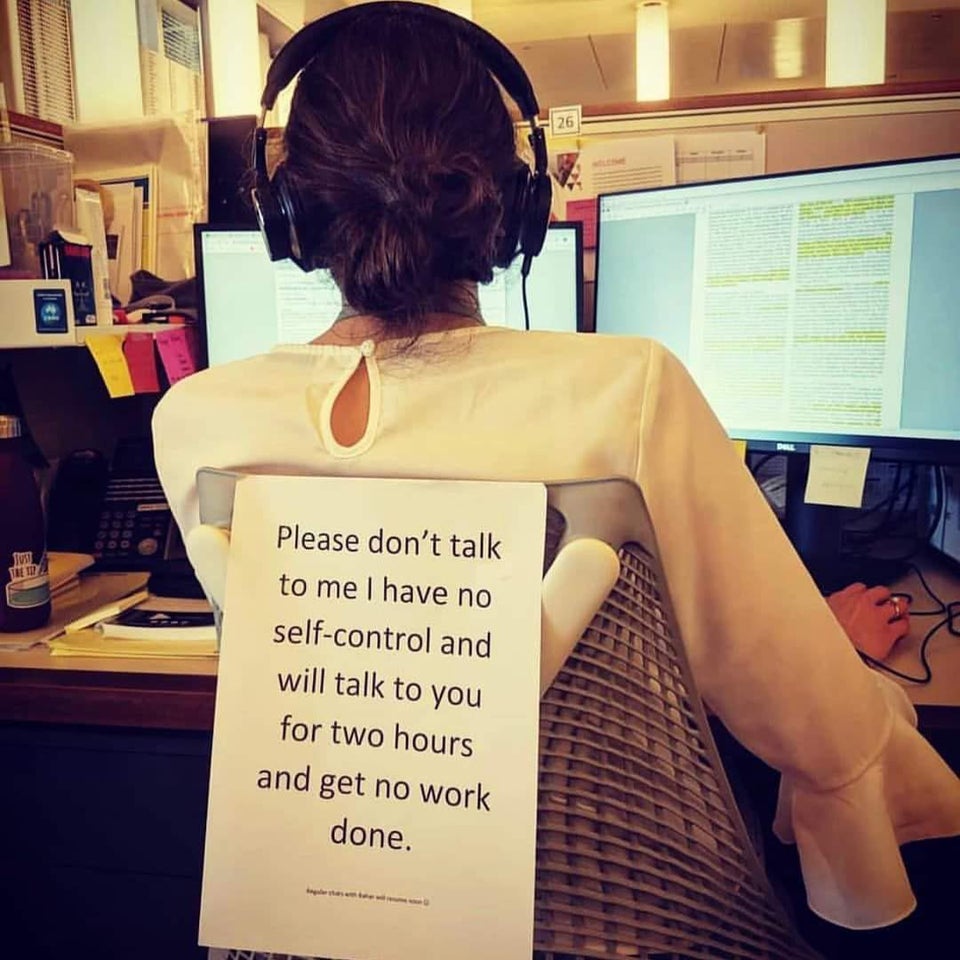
[
  {"x": 289, "y": 12},
  {"x": 106, "y": 60},
  {"x": 314, "y": 9},
  {"x": 233, "y": 50}
]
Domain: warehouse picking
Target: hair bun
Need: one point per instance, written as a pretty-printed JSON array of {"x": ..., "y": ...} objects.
[{"x": 391, "y": 271}]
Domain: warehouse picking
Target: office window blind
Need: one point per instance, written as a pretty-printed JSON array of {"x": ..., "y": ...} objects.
[
  {"x": 169, "y": 58},
  {"x": 181, "y": 40},
  {"x": 46, "y": 56}
]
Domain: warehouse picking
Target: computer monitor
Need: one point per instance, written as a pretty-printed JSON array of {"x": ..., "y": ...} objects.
[
  {"x": 248, "y": 304},
  {"x": 812, "y": 308},
  {"x": 554, "y": 286}
]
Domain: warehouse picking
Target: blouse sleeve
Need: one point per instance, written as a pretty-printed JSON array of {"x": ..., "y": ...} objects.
[{"x": 772, "y": 661}]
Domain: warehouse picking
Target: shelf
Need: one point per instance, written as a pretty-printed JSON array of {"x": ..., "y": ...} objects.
[{"x": 121, "y": 329}]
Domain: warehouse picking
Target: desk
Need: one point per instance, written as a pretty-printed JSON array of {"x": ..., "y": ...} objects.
[
  {"x": 106, "y": 765},
  {"x": 178, "y": 694},
  {"x": 175, "y": 694},
  {"x": 35, "y": 687}
]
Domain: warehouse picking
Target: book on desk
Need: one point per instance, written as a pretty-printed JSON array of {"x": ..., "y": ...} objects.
[
  {"x": 147, "y": 622},
  {"x": 152, "y": 627}
]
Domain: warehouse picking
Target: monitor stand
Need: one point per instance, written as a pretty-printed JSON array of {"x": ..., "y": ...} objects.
[{"x": 815, "y": 532}]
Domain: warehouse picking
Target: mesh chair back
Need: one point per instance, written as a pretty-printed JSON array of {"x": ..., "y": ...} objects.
[{"x": 641, "y": 851}]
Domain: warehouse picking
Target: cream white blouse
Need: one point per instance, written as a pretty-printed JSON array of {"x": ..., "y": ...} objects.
[{"x": 768, "y": 656}]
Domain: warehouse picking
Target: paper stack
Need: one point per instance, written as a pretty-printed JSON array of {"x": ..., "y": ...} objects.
[
  {"x": 64, "y": 570},
  {"x": 155, "y": 628}
]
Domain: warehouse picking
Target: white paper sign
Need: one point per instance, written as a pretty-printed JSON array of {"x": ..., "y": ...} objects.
[
  {"x": 836, "y": 476},
  {"x": 374, "y": 774}
]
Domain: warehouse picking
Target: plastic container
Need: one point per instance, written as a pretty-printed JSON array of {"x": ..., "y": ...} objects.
[
  {"x": 24, "y": 580},
  {"x": 37, "y": 197}
]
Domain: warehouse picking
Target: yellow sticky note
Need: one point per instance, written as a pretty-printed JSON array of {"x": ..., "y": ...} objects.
[
  {"x": 741, "y": 447},
  {"x": 107, "y": 353},
  {"x": 836, "y": 476}
]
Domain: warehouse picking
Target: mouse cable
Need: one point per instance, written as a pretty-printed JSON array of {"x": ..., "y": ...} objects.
[{"x": 927, "y": 675}]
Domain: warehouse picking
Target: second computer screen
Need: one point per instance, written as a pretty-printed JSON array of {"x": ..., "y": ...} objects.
[{"x": 250, "y": 304}]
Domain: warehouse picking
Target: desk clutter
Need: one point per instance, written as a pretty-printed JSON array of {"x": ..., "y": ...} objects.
[
  {"x": 141, "y": 626},
  {"x": 105, "y": 614},
  {"x": 79, "y": 244}
]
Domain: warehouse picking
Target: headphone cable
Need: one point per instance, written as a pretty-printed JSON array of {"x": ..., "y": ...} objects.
[{"x": 524, "y": 272}]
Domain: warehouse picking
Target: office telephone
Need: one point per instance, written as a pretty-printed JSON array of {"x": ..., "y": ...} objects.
[{"x": 119, "y": 514}]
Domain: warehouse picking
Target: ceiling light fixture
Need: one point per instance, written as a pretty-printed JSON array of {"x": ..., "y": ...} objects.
[
  {"x": 856, "y": 42},
  {"x": 653, "y": 50},
  {"x": 788, "y": 49}
]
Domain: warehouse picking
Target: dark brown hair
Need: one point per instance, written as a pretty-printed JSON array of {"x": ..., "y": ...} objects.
[{"x": 397, "y": 144}]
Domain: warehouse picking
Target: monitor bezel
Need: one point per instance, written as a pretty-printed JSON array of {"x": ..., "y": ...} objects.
[{"x": 908, "y": 449}]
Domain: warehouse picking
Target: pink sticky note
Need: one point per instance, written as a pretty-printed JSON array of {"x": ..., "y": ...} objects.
[
  {"x": 178, "y": 352},
  {"x": 138, "y": 349},
  {"x": 586, "y": 212}
]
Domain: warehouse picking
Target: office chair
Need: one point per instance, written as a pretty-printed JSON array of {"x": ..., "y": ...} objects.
[{"x": 641, "y": 849}]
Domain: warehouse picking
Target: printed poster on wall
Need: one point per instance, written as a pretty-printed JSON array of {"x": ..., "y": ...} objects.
[
  {"x": 611, "y": 166},
  {"x": 374, "y": 774}
]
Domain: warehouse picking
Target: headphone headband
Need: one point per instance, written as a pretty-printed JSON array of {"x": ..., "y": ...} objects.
[
  {"x": 291, "y": 231},
  {"x": 304, "y": 45}
]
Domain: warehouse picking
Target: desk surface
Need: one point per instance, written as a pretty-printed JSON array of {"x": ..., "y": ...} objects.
[
  {"x": 35, "y": 687},
  {"x": 178, "y": 693}
]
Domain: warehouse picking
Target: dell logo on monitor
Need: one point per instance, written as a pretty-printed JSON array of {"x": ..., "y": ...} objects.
[{"x": 787, "y": 447}]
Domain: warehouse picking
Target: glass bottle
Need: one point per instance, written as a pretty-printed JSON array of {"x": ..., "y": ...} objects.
[{"x": 24, "y": 580}]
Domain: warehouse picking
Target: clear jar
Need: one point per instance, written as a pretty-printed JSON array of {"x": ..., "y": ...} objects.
[{"x": 37, "y": 183}]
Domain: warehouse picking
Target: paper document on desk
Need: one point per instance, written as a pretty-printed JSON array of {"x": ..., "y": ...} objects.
[
  {"x": 152, "y": 627},
  {"x": 92, "y": 643}
]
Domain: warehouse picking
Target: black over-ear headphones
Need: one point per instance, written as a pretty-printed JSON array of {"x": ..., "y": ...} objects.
[{"x": 526, "y": 195}]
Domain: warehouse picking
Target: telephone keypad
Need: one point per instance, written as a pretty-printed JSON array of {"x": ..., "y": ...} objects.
[{"x": 134, "y": 520}]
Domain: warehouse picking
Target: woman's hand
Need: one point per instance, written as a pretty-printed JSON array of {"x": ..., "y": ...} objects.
[{"x": 873, "y": 618}]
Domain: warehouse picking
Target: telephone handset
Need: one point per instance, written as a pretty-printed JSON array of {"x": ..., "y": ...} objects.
[{"x": 119, "y": 515}]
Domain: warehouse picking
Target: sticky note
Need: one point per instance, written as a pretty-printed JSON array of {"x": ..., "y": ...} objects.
[
  {"x": 138, "y": 349},
  {"x": 741, "y": 447},
  {"x": 108, "y": 355},
  {"x": 178, "y": 352},
  {"x": 836, "y": 476}
]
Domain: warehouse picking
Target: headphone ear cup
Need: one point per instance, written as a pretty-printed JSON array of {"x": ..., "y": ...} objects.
[
  {"x": 289, "y": 202},
  {"x": 307, "y": 225},
  {"x": 514, "y": 191},
  {"x": 271, "y": 217}
]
